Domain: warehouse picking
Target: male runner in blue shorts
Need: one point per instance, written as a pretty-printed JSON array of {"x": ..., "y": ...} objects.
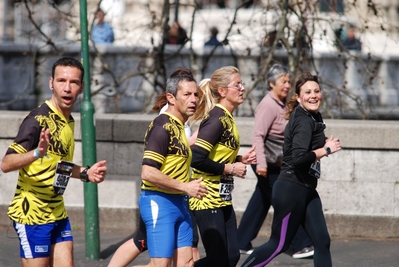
[
  {"x": 42, "y": 151},
  {"x": 166, "y": 177}
]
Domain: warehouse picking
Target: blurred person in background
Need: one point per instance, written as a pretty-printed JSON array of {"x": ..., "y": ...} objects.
[{"x": 102, "y": 32}]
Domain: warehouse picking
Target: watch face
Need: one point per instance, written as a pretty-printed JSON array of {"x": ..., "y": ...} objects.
[{"x": 328, "y": 150}]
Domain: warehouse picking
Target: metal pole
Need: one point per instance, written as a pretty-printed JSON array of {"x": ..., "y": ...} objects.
[{"x": 88, "y": 146}]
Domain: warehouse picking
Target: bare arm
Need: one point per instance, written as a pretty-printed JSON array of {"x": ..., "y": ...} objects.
[
  {"x": 96, "y": 173},
  {"x": 13, "y": 162},
  {"x": 193, "y": 189}
]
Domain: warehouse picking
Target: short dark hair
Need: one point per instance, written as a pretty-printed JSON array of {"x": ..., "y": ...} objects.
[
  {"x": 172, "y": 84},
  {"x": 68, "y": 62}
]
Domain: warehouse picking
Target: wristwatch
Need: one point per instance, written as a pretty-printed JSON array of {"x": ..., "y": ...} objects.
[
  {"x": 328, "y": 150},
  {"x": 84, "y": 177}
]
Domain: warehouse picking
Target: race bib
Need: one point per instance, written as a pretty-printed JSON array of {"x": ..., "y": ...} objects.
[
  {"x": 63, "y": 172},
  {"x": 314, "y": 169},
  {"x": 226, "y": 187}
]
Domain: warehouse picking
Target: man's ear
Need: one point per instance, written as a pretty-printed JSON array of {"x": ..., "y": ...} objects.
[
  {"x": 50, "y": 83},
  {"x": 82, "y": 87},
  {"x": 171, "y": 98}
]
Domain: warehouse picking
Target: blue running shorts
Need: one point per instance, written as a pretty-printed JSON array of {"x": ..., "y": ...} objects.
[
  {"x": 167, "y": 221},
  {"x": 36, "y": 240}
]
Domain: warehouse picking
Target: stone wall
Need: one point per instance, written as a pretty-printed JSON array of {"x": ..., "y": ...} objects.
[
  {"x": 120, "y": 86},
  {"x": 359, "y": 185}
]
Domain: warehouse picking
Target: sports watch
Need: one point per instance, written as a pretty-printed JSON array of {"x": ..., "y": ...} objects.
[
  {"x": 84, "y": 177},
  {"x": 328, "y": 150}
]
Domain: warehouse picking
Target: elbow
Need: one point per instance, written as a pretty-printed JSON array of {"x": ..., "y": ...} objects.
[
  {"x": 144, "y": 176},
  {"x": 4, "y": 167},
  {"x": 146, "y": 173},
  {"x": 196, "y": 160}
]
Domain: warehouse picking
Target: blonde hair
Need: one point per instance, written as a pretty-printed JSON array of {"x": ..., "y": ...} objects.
[{"x": 209, "y": 94}]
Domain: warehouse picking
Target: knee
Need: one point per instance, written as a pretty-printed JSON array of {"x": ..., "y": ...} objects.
[
  {"x": 141, "y": 244},
  {"x": 327, "y": 242},
  {"x": 323, "y": 243},
  {"x": 234, "y": 258},
  {"x": 190, "y": 263}
]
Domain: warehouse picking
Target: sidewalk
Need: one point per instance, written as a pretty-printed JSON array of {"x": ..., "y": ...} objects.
[{"x": 345, "y": 252}]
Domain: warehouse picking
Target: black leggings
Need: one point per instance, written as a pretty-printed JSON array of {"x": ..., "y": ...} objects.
[
  {"x": 218, "y": 229},
  {"x": 294, "y": 205}
]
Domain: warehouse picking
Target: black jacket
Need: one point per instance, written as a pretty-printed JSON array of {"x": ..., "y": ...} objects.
[{"x": 303, "y": 134}]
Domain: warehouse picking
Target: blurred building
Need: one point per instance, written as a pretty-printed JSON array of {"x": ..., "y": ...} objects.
[{"x": 26, "y": 48}]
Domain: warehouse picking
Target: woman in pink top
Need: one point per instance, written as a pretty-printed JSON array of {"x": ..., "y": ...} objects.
[{"x": 269, "y": 126}]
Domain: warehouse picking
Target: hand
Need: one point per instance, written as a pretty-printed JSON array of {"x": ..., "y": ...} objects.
[
  {"x": 249, "y": 157},
  {"x": 334, "y": 144},
  {"x": 97, "y": 172},
  {"x": 240, "y": 169},
  {"x": 194, "y": 188},
  {"x": 261, "y": 172},
  {"x": 44, "y": 141}
]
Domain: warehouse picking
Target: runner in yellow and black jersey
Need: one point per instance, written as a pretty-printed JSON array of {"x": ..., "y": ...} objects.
[
  {"x": 215, "y": 159},
  {"x": 219, "y": 139},
  {"x": 42, "y": 152},
  {"x": 166, "y": 183},
  {"x": 171, "y": 154},
  {"x": 35, "y": 201}
]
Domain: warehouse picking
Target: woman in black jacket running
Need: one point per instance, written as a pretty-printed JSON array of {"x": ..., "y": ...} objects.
[{"x": 295, "y": 199}]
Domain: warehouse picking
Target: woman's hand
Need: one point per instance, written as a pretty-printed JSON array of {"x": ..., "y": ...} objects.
[
  {"x": 237, "y": 169},
  {"x": 261, "y": 172},
  {"x": 249, "y": 157},
  {"x": 334, "y": 144}
]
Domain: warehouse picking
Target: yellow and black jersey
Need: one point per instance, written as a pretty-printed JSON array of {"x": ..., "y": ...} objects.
[
  {"x": 35, "y": 201},
  {"x": 218, "y": 137},
  {"x": 166, "y": 148}
]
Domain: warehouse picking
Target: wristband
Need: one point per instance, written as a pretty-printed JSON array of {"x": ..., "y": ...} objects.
[
  {"x": 36, "y": 153},
  {"x": 232, "y": 169}
]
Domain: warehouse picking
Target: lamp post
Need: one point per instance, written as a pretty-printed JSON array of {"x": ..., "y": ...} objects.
[{"x": 88, "y": 145}]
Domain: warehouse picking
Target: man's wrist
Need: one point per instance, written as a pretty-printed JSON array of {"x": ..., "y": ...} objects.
[
  {"x": 84, "y": 176},
  {"x": 36, "y": 153}
]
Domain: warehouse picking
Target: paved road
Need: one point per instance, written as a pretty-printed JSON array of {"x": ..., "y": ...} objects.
[{"x": 345, "y": 252}]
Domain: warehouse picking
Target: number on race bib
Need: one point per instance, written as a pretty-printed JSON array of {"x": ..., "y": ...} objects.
[{"x": 63, "y": 172}]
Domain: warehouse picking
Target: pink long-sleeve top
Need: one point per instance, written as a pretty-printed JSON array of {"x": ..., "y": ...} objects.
[{"x": 269, "y": 119}]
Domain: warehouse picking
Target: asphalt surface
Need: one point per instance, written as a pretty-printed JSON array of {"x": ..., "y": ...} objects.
[{"x": 350, "y": 252}]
